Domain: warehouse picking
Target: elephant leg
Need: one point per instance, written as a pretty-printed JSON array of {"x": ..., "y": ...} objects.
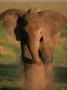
[
  {"x": 49, "y": 42},
  {"x": 48, "y": 67},
  {"x": 48, "y": 48}
]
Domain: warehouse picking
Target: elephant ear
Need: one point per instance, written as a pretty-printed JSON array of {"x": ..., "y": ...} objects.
[
  {"x": 56, "y": 21},
  {"x": 8, "y": 19}
]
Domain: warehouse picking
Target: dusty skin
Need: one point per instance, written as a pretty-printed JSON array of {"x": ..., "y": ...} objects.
[
  {"x": 39, "y": 31},
  {"x": 42, "y": 30}
]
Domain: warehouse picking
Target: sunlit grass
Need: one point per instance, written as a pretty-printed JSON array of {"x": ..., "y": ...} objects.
[{"x": 60, "y": 54}]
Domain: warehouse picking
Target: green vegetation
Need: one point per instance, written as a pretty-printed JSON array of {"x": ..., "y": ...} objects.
[
  {"x": 64, "y": 32},
  {"x": 9, "y": 52},
  {"x": 60, "y": 54},
  {"x": 61, "y": 78},
  {"x": 8, "y": 76},
  {"x": 9, "y": 48}
]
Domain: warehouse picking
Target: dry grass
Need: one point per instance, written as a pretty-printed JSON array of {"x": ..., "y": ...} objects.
[{"x": 6, "y": 51}]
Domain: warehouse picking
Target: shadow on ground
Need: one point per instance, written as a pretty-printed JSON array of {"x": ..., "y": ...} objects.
[
  {"x": 9, "y": 88},
  {"x": 60, "y": 74}
]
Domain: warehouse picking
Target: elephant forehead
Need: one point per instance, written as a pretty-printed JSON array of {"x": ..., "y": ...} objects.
[{"x": 34, "y": 22}]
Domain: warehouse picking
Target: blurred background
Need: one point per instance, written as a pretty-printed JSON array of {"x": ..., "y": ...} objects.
[{"x": 10, "y": 48}]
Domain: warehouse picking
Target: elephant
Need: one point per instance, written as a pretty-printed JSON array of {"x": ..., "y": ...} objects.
[
  {"x": 39, "y": 31},
  {"x": 36, "y": 29}
]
